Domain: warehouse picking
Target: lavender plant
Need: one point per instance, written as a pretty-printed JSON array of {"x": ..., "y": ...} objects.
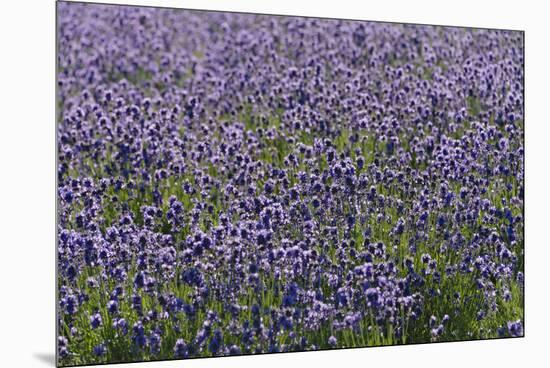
[{"x": 240, "y": 184}]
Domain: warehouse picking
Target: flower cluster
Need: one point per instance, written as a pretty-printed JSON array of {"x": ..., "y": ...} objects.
[{"x": 239, "y": 184}]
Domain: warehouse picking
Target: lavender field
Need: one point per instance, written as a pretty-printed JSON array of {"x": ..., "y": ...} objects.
[{"x": 242, "y": 184}]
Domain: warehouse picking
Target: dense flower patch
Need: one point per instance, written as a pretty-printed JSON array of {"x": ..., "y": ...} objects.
[{"x": 239, "y": 184}]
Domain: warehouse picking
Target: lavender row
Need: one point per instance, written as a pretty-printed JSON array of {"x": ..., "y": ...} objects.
[{"x": 238, "y": 184}]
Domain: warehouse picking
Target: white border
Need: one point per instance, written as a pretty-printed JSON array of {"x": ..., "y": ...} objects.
[{"x": 27, "y": 205}]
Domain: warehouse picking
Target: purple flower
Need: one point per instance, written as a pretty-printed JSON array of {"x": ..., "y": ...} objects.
[
  {"x": 515, "y": 328},
  {"x": 95, "y": 320},
  {"x": 180, "y": 349},
  {"x": 112, "y": 306},
  {"x": 100, "y": 350}
]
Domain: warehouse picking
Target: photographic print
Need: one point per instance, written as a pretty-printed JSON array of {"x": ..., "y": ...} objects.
[{"x": 236, "y": 184}]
